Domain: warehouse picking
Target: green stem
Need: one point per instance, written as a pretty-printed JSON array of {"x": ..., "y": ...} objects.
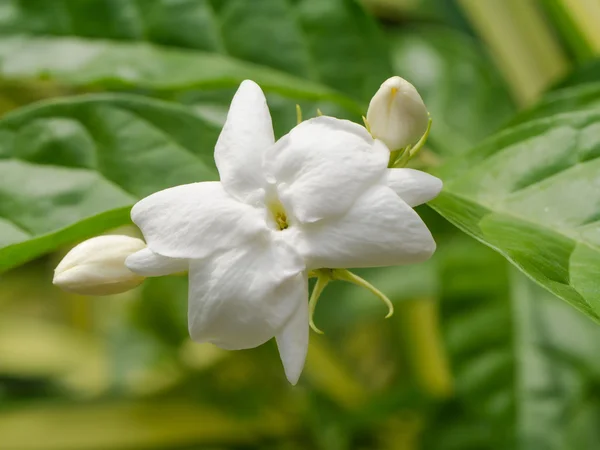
[
  {"x": 345, "y": 275},
  {"x": 322, "y": 281},
  {"x": 399, "y": 158},
  {"x": 419, "y": 145},
  {"x": 367, "y": 126}
]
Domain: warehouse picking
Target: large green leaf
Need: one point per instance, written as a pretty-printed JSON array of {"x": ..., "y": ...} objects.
[
  {"x": 87, "y": 63},
  {"x": 526, "y": 369},
  {"x": 556, "y": 372},
  {"x": 321, "y": 54},
  {"x": 322, "y": 49},
  {"x": 317, "y": 50},
  {"x": 436, "y": 60},
  {"x": 72, "y": 168},
  {"x": 532, "y": 193},
  {"x": 576, "y": 98},
  {"x": 332, "y": 43}
]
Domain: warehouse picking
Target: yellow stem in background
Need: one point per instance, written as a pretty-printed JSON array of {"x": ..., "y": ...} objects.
[
  {"x": 567, "y": 29},
  {"x": 585, "y": 15},
  {"x": 426, "y": 353},
  {"x": 402, "y": 431},
  {"x": 81, "y": 313},
  {"x": 522, "y": 43},
  {"x": 328, "y": 374},
  {"x": 298, "y": 114}
]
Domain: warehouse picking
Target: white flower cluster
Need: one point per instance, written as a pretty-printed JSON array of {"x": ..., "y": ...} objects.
[{"x": 321, "y": 197}]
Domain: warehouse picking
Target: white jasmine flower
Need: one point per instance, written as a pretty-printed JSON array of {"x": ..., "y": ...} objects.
[
  {"x": 397, "y": 114},
  {"x": 97, "y": 266},
  {"x": 320, "y": 197}
]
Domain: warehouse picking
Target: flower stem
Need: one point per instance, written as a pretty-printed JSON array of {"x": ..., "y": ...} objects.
[
  {"x": 399, "y": 158},
  {"x": 322, "y": 280},
  {"x": 345, "y": 275},
  {"x": 419, "y": 145},
  {"x": 367, "y": 126},
  {"x": 298, "y": 114},
  {"x": 396, "y": 156}
]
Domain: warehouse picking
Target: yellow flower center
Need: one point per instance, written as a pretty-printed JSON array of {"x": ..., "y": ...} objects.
[{"x": 279, "y": 215}]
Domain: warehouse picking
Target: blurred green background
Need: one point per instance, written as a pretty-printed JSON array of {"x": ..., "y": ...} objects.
[{"x": 476, "y": 356}]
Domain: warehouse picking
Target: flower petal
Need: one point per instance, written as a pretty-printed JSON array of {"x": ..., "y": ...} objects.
[
  {"x": 292, "y": 341},
  {"x": 321, "y": 167},
  {"x": 414, "y": 186},
  {"x": 247, "y": 133},
  {"x": 196, "y": 220},
  {"x": 149, "y": 264},
  {"x": 243, "y": 297},
  {"x": 379, "y": 230}
]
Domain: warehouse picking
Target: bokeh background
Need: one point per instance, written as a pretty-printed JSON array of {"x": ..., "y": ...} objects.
[{"x": 476, "y": 357}]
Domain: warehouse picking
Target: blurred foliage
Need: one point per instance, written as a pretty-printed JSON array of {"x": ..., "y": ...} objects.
[
  {"x": 476, "y": 356},
  {"x": 457, "y": 81},
  {"x": 523, "y": 42}
]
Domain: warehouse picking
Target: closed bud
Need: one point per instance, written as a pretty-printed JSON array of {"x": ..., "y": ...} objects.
[
  {"x": 97, "y": 266},
  {"x": 397, "y": 115}
]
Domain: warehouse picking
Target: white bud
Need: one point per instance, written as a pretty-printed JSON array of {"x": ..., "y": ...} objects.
[
  {"x": 397, "y": 115},
  {"x": 97, "y": 266}
]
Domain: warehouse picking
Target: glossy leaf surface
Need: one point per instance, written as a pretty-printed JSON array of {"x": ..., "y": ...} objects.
[
  {"x": 72, "y": 168},
  {"x": 531, "y": 192}
]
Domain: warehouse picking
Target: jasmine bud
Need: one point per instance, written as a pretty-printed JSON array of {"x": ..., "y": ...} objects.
[
  {"x": 97, "y": 266},
  {"x": 397, "y": 115}
]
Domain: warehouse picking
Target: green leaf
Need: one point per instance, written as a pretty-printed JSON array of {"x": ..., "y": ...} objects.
[
  {"x": 571, "y": 99},
  {"x": 306, "y": 49},
  {"x": 526, "y": 371},
  {"x": 71, "y": 168},
  {"x": 531, "y": 192},
  {"x": 327, "y": 55},
  {"x": 460, "y": 86},
  {"x": 119, "y": 66},
  {"x": 556, "y": 366}
]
